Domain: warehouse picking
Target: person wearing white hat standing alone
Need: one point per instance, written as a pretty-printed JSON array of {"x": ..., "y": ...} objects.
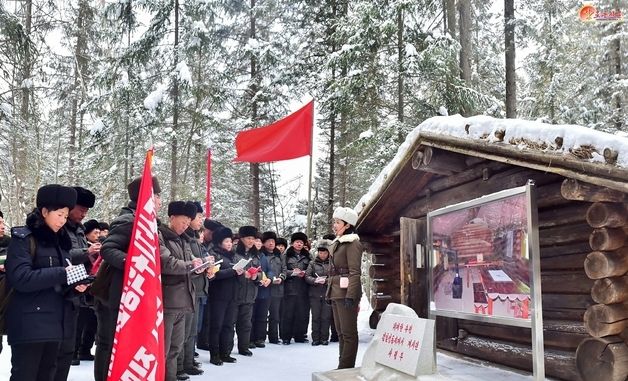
[{"x": 345, "y": 288}]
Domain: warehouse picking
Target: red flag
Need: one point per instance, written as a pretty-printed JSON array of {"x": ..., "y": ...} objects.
[
  {"x": 138, "y": 345},
  {"x": 287, "y": 138},
  {"x": 208, "y": 194}
]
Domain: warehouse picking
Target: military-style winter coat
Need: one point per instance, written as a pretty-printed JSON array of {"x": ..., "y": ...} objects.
[
  {"x": 247, "y": 288},
  {"x": 277, "y": 268},
  {"x": 346, "y": 261},
  {"x": 41, "y": 308},
  {"x": 198, "y": 251},
  {"x": 225, "y": 283},
  {"x": 176, "y": 280},
  {"x": 317, "y": 268},
  {"x": 296, "y": 285}
]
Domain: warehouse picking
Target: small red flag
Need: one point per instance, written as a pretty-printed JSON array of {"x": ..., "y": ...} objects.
[
  {"x": 138, "y": 345},
  {"x": 287, "y": 138}
]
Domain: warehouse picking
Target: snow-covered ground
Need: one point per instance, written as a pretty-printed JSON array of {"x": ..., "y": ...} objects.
[{"x": 299, "y": 361}]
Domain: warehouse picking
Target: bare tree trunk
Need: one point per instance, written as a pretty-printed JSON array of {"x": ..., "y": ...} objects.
[
  {"x": 464, "y": 9},
  {"x": 450, "y": 19},
  {"x": 254, "y": 167},
  {"x": 511, "y": 79},
  {"x": 616, "y": 72},
  {"x": 128, "y": 171},
  {"x": 401, "y": 52},
  {"x": 174, "y": 144},
  {"x": 342, "y": 192}
]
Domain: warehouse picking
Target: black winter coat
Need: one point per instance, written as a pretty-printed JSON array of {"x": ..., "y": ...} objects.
[
  {"x": 277, "y": 266},
  {"x": 247, "y": 289},
  {"x": 225, "y": 283},
  {"x": 296, "y": 285},
  {"x": 318, "y": 267},
  {"x": 41, "y": 308},
  {"x": 198, "y": 251},
  {"x": 176, "y": 280}
]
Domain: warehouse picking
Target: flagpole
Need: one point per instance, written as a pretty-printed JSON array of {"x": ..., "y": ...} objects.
[{"x": 309, "y": 183}]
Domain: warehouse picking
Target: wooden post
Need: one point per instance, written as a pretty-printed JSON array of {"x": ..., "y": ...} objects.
[{"x": 413, "y": 281}]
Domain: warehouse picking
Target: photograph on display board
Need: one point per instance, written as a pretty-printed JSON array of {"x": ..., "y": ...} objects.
[{"x": 480, "y": 260}]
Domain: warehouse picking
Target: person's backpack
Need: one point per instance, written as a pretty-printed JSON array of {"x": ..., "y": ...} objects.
[{"x": 6, "y": 292}]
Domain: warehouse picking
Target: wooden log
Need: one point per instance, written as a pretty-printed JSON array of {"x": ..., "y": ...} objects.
[
  {"x": 602, "y": 359},
  {"x": 610, "y": 290},
  {"x": 604, "y": 264},
  {"x": 381, "y": 271},
  {"x": 373, "y": 239},
  {"x": 573, "y": 213},
  {"x": 559, "y": 235},
  {"x": 557, "y": 250},
  {"x": 380, "y": 302},
  {"x": 572, "y": 189},
  {"x": 549, "y": 196},
  {"x": 558, "y": 364},
  {"x": 607, "y": 239},
  {"x": 604, "y": 320},
  {"x": 565, "y": 282},
  {"x": 475, "y": 173},
  {"x": 566, "y": 301},
  {"x": 385, "y": 286},
  {"x": 386, "y": 260},
  {"x": 604, "y": 214},
  {"x": 564, "y": 262},
  {"x": 441, "y": 162},
  {"x": 558, "y": 334}
]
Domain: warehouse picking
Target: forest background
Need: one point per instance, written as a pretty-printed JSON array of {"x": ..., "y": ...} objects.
[{"x": 87, "y": 85}]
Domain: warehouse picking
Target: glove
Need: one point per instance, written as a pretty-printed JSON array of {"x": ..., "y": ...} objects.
[{"x": 348, "y": 302}]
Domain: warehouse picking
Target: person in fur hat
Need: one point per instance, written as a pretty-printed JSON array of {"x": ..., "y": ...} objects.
[
  {"x": 259, "y": 321},
  {"x": 296, "y": 305},
  {"x": 36, "y": 270},
  {"x": 345, "y": 288},
  {"x": 277, "y": 273},
  {"x": 176, "y": 282},
  {"x": 316, "y": 276}
]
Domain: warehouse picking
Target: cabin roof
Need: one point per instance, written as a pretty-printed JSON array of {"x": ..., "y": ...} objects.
[{"x": 568, "y": 150}]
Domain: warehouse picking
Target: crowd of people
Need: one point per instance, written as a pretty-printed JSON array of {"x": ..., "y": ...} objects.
[{"x": 209, "y": 297}]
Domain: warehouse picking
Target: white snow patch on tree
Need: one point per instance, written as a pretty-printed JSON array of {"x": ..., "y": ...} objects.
[
  {"x": 151, "y": 102},
  {"x": 96, "y": 127},
  {"x": 443, "y": 111},
  {"x": 366, "y": 134},
  {"x": 183, "y": 72}
]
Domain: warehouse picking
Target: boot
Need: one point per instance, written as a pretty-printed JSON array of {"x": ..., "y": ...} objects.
[
  {"x": 215, "y": 359},
  {"x": 227, "y": 358}
]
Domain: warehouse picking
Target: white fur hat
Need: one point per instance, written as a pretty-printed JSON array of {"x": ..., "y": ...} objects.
[{"x": 346, "y": 214}]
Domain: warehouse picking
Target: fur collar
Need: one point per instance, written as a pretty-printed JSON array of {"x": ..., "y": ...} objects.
[
  {"x": 291, "y": 252},
  {"x": 169, "y": 234},
  {"x": 348, "y": 238}
]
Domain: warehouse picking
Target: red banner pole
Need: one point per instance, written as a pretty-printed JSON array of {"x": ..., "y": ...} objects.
[{"x": 208, "y": 192}]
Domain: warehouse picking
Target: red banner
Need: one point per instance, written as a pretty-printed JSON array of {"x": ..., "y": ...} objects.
[
  {"x": 138, "y": 345},
  {"x": 287, "y": 138}
]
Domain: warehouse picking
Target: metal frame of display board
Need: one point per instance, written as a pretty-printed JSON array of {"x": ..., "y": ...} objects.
[{"x": 535, "y": 322}]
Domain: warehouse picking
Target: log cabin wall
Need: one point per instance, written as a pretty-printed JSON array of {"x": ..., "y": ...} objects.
[{"x": 564, "y": 239}]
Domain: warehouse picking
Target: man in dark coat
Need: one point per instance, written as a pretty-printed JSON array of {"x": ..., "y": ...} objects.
[
  {"x": 186, "y": 363},
  {"x": 114, "y": 251},
  {"x": 80, "y": 251},
  {"x": 259, "y": 320},
  {"x": 296, "y": 304},
  {"x": 316, "y": 276},
  {"x": 209, "y": 227},
  {"x": 4, "y": 244},
  {"x": 277, "y": 275},
  {"x": 177, "y": 288}
]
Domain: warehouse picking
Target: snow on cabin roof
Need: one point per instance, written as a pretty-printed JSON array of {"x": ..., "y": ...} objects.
[{"x": 572, "y": 141}]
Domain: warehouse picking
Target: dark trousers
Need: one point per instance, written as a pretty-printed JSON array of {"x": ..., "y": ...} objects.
[
  {"x": 334, "y": 333},
  {"x": 295, "y": 312},
  {"x": 105, "y": 331},
  {"x": 259, "y": 320},
  {"x": 203, "y": 335},
  {"x": 302, "y": 319},
  {"x": 221, "y": 318},
  {"x": 346, "y": 319},
  {"x": 186, "y": 357},
  {"x": 321, "y": 316},
  {"x": 85, "y": 331},
  {"x": 66, "y": 351},
  {"x": 274, "y": 317},
  {"x": 244, "y": 311},
  {"x": 174, "y": 336},
  {"x": 33, "y": 361}
]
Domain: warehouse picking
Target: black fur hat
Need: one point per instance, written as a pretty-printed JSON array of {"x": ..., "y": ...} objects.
[
  {"x": 199, "y": 208},
  {"x": 221, "y": 234},
  {"x": 134, "y": 188},
  {"x": 84, "y": 197},
  {"x": 90, "y": 225},
  {"x": 281, "y": 241},
  {"x": 56, "y": 195},
  {"x": 298, "y": 236},
  {"x": 182, "y": 208},
  {"x": 247, "y": 231},
  {"x": 212, "y": 225},
  {"x": 269, "y": 235},
  {"x": 103, "y": 226}
]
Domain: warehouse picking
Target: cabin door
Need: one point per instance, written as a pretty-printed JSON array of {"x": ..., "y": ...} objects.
[{"x": 414, "y": 281}]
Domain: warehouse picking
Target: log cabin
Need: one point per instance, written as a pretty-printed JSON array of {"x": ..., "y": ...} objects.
[{"x": 580, "y": 178}]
